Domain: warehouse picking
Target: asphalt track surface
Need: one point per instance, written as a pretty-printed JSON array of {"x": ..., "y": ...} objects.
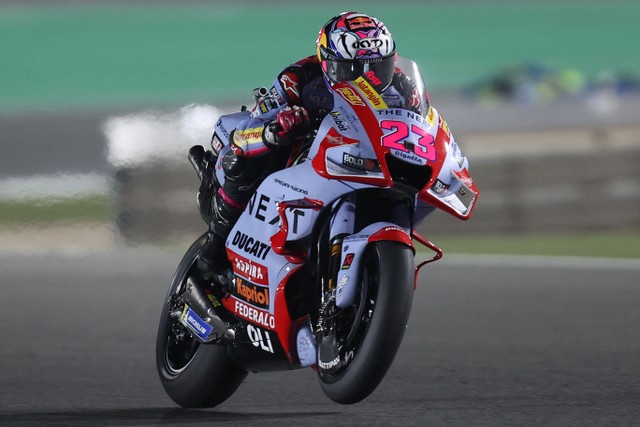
[{"x": 491, "y": 341}]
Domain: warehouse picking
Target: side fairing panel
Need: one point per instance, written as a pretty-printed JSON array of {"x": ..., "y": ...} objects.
[{"x": 258, "y": 293}]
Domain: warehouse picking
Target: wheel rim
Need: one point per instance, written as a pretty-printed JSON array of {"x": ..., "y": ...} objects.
[
  {"x": 180, "y": 345},
  {"x": 178, "y": 355}
]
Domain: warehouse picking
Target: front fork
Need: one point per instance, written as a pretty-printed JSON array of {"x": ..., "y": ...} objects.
[{"x": 342, "y": 224}]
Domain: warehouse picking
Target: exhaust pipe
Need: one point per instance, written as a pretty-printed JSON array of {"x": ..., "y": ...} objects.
[{"x": 200, "y": 310}]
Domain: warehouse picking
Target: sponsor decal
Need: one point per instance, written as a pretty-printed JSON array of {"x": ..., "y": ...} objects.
[
  {"x": 247, "y": 136},
  {"x": 214, "y": 300},
  {"x": 250, "y": 245},
  {"x": 392, "y": 228},
  {"x": 409, "y": 156},
  {"x": 430, "y": 117},
  {"x": 275, "y": 95},
  {"x": 348, "y": 356},
  {"x": 195, "y": 323},
  {"x": 341, "y": 284},
  {"x": 340, "y": 123},
  {"x": 291, "y": 186},
  {"x": 289, "y": 82},
  {"x": 259, "y": 338},
  {"x": 371, "y": 76},
  {"x": 348, "y": 94},
  {"x": 367, "y": 44},
  {"x": 443, "y": 124},
  {"x": 252, "y": 271},
  {"x": 355, "y": 237},
  {"x": 258, "y": 205},
  {"x": 351, "y": 119},
  {"x": 348, "y": 260},
  {"x": 464, "y": 178},
  {"x": 262, "y": 201},
  {"x": 216, "y": 144},
  {"x": 220, "y": 126},
  {"x": 408, "y": 114},
  {"x": 335, "y": 169},
  {"x": 331, "y": 364},
  {"x": 333, "y": 137},
  {"x": 369, "y": 165},
  {"x": 254, "y": 315},
  {"x": 439, "y": 187},
  {"x": 371, "y": 94},
  {"x": 360, "y": 22},
  {"x": 252, "y": 294}
]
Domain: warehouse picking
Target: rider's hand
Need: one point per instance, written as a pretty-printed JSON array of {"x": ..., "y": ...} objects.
[{"x": 289, "y": 124}]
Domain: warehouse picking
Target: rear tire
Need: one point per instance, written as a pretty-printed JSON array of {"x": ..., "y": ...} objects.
[
  {"x": 194, "y": 375},
  {"x": 375, "y": 332}
]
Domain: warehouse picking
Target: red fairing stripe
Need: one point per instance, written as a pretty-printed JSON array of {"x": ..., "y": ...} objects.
[
  {"x": 283, "y": 318},
  {"x": 372, "y": 128},
  {"x": 392, "y": 233}
]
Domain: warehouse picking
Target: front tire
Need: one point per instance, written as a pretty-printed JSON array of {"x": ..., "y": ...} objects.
[
  {"x": 194, "y": 375},
  {"x": 370, "y": 334}
]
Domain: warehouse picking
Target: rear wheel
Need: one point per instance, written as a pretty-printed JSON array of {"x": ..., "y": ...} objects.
[
  {"x": 194, "y": 375},
  {"x": 367, "y": 336}
]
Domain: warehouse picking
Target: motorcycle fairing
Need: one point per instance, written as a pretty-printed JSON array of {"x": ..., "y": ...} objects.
[
  {"x": 422, "y": 140},
  {"x": 250, "y": 243},
  {"x": 451, "y": 188},
  {"x": 350, "y": 152},
  {"x": 336, "y": 144},
  {"x": 221, "y": 141},
  {"x": 224, "y": 127}
]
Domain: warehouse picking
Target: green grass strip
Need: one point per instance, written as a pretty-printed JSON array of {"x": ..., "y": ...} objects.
[
  {"x": 99, "y": 208},
  {"x": 24, "y": 213}
]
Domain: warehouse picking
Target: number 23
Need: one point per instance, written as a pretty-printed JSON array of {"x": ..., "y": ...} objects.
[{"x": 400, "y": 132}]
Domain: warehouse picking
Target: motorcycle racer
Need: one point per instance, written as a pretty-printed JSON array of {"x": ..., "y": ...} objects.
[{"x": 349, "y": 46}]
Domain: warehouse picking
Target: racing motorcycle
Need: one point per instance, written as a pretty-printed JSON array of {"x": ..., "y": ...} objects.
[{"x": 322, "y": 257}]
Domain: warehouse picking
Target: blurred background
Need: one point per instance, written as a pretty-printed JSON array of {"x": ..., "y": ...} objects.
[{"x": 100, "y": 101}]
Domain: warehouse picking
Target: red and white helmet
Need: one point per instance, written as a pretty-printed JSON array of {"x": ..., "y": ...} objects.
[{"x": 353, "y": 44}]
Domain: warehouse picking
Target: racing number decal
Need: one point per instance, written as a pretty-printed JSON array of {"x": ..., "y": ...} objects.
[{"x": 400, "y": 133}]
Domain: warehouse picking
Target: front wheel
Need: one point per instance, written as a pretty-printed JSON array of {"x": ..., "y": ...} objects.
[
  {"x": 368, "y": 335},
  {"x": 194, "y": 375}
]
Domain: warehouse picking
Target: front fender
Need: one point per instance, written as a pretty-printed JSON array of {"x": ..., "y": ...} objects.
[{"x": 353, "y": 247}]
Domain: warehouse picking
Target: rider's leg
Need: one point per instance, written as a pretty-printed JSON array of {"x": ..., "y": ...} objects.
[{"x": 242, "y": 177}]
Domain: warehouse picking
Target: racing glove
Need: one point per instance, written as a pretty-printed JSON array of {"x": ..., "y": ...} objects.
[{"x": 290, "y": 123}]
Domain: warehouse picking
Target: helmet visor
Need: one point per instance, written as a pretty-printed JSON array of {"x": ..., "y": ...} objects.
[{"x": 378, "y": 72}]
